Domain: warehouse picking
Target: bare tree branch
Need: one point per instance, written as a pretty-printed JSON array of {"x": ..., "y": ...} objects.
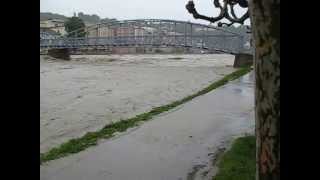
[
  {"x": 232, "y": 12},
  {"x": 220, "y": 24},
  {"x": 224, "y": 13},
  {"x": 238, "y": 20},
  {"x": 191, "y": 9}
]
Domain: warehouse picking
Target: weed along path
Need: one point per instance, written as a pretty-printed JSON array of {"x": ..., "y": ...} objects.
[{"x": 179, "y": 144}]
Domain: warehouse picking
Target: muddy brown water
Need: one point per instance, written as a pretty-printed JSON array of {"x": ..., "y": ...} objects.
[
  {"x": 177, "y": 145},
  {"x": 91, "y": 91}
]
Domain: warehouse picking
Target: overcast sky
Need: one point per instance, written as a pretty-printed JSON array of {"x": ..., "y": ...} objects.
[{"x": 131, "y": 9}]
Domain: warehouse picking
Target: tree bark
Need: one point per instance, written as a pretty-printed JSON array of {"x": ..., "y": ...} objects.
[{"x": 265, "y": 20}]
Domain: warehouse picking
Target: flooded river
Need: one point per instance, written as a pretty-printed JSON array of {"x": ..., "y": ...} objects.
[
  {"x": 88, "y": 92},
  {"x": 181, "y": 144}
]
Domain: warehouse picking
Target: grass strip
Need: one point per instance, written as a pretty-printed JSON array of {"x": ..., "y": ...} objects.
[
  {"x": 91, "y": 138},
  {"x": 176, "y": 58},
  {"x": 239, "y": 163}
]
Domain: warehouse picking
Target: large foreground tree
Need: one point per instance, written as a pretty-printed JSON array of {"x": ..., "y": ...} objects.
[
  {"x": 265, "y": 24},
  {"x": 265, "y": 19}
]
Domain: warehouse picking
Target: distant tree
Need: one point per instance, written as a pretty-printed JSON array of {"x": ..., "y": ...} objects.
[
  {"x": 89, "y": 18},
  {"x": 107, "y": 20},
  {"x": 75, "y": 27},
  {"x": 48, "y": 15}
]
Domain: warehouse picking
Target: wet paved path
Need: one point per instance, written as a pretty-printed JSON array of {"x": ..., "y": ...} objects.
[{"x": 176, "y": 145}]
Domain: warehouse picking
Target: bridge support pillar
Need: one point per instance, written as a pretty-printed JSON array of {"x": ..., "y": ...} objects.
[
  {"x": 59, "y": 53},
  {"x": 243, "y": 60}
]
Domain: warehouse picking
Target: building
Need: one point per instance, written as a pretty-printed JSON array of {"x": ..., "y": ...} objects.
[
  {"x": 56, "y": 25},
  {"x": 47, "y": 33},
  {"x": 149, "y": 30},
  {"x": 51, "y": 23},
  {"x": 140, "y": 31},
  {"x": 110, "y": 31},
  {"x": 120, "y": 31}
]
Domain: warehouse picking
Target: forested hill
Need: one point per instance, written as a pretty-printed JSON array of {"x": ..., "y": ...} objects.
[
  {"x": 87, "y": 18},
  {"x": 48, "y": 15}
]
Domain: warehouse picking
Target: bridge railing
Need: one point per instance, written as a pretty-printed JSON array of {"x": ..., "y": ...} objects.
[
  {"x": 232, "y": 44},
  {"x": 152, "y": 32}
]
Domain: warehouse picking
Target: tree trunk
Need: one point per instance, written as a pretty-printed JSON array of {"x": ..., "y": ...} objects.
[{"x": 265, "y": 20}]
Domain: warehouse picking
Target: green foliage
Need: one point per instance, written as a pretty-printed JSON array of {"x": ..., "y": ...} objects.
[
  {"x": 107, "y": 20},
  {"x": 89, "y": 18},
  {"x": 176, "y": 58},
  {"x": 91, "y": 138},
  {"x": 239, "y": 163},
  {"x": 75, "y": 23},
  {"x": 158, "y": 51},
  {"x": 48, "y": 15}
]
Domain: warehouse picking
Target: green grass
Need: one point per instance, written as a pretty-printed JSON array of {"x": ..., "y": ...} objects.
[
  {"x": 91, "y": 138},
  {"x": 239, "y": 163},
  {"x": 176, "y": 58}
]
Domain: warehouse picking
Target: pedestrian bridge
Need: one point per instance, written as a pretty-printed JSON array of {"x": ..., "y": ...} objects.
[{"x": 151, "y": 33}]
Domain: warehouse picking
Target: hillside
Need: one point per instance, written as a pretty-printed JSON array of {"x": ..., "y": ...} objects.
[
  {"x": 87, "y": 18},
  {"x": 48, "y": 15}
]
